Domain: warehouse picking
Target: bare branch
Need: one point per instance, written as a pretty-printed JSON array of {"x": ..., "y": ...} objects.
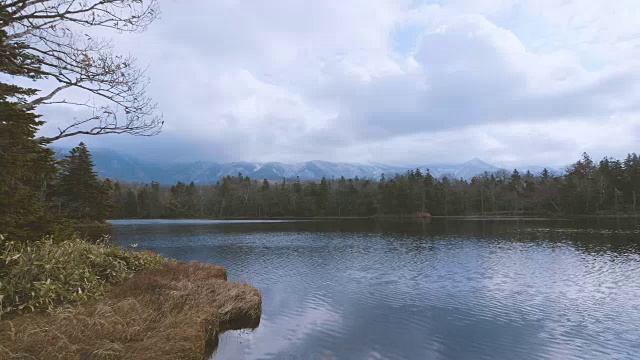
[
  {"x": 47, "y": 30},
  {"x": 106, "y": 126},
  {"x": 42, "y": 99},
  {"x": 66, "y": 102}
]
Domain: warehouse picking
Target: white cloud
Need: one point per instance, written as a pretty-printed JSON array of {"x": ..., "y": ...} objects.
[{"x": 513, "y": 82}]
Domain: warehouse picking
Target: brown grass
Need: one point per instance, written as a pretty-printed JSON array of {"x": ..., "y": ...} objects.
[{"x": 173, "y": 312}]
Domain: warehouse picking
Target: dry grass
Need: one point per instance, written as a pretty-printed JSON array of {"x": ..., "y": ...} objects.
[{"x": 173, "y": 312}]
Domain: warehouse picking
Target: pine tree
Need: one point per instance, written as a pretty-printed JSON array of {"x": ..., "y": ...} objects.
[
  {"x": 27, "y": 172},
  {"x": 106, "y": 199},
  {"x": 118, "y": 196},
  {"x": 26, "y": 167},
  {"x": 130, "y": 208},
  {"x": 323, "y": 196},
  {"x": 155, "y": 200},
  {"x": 545, "y": 174},
  {"x": 265, "y": 185},
  {"x": 84, "y": 197}
]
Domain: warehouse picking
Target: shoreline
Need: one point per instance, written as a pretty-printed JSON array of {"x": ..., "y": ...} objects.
[
  {"x": 393, "y": 217},
  {"x": 92, "y": 225},
  {"x": 176, "y": 311}
]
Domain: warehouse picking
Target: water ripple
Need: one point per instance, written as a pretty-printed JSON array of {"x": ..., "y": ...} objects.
[{"x": 454, "y": 290}]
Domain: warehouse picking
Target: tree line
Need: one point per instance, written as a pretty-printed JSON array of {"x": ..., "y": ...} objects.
[
  {"x": 44, "y": 42},
  {"x": 585, "y": 188}
]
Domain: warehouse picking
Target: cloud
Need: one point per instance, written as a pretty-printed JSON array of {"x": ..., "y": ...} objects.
[{"x": 342, "y": 80}]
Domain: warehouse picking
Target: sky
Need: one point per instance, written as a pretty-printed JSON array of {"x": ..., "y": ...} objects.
[{"x": 512, "y": 82}]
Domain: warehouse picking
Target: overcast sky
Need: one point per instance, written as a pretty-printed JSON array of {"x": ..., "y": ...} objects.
[{"x": 513, "y": 82}]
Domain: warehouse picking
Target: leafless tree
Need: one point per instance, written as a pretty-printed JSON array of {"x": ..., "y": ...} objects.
[{"x": 55, "y": 32}]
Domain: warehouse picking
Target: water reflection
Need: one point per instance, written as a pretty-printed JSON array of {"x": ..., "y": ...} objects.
[{"x": 451, "y": 289}]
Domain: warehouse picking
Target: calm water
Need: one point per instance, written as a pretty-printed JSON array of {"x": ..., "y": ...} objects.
[{"x": 447, "y": 289}]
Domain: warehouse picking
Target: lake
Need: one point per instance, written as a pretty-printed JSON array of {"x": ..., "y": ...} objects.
[{"x": 419, "y": 289}]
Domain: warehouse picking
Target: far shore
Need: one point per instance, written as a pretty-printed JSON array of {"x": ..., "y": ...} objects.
[{"x": 397, "y": 217}]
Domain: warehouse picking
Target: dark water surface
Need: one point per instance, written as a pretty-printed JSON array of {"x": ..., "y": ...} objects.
[{"x": 444, "y": 289}]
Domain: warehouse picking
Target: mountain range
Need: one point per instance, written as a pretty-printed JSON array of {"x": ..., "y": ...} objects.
[{"x": 117, "y": 166}]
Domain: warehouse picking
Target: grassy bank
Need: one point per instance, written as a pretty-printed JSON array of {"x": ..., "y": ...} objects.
[
  {"x": 42, "y": 274},
  {"x": 96, "y": 301}
]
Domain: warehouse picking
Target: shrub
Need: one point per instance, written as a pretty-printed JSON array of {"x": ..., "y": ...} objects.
[{"x": 38, "y": 275}]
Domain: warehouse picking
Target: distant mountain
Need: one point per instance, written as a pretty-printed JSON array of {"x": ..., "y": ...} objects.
[
  {"x": 465, "y": 170},
  {"x": 113, "y": 165}
]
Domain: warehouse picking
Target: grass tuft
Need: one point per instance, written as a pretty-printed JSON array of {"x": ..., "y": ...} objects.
[{"x": 40, "y": 275}]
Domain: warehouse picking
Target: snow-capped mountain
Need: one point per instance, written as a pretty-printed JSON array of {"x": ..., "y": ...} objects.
[
  {"x": 465, "y": 170},
  {"x": 113, "y": 165}
]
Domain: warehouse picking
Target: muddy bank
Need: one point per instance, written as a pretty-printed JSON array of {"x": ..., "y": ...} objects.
[{"x": 174, "y": 312}]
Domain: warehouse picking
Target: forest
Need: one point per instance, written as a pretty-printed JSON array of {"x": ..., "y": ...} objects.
[{"x": 609, "y": 186}]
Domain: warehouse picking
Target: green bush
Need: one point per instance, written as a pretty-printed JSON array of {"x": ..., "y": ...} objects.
[{"x": 39, "y": 275}]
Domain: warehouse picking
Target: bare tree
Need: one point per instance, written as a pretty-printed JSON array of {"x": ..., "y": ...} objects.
[{"x": 52, "y": 32}]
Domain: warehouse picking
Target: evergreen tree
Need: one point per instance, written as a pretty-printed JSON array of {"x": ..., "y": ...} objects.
[
  {"x": 27, "y": 173},
  {"x": 130, "y": 208},
  {"x": 106, "y": 198},
  {"x": 265, "y": 185},
  {"x": 323, "y": 195},
  {"x": 119, "y": 199},
  {"x": 155, "y": 201},
  {"x": 83, "y": 196},
  {"x": 545, "y": 175},
  {"x": 26, "y": 168}
]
